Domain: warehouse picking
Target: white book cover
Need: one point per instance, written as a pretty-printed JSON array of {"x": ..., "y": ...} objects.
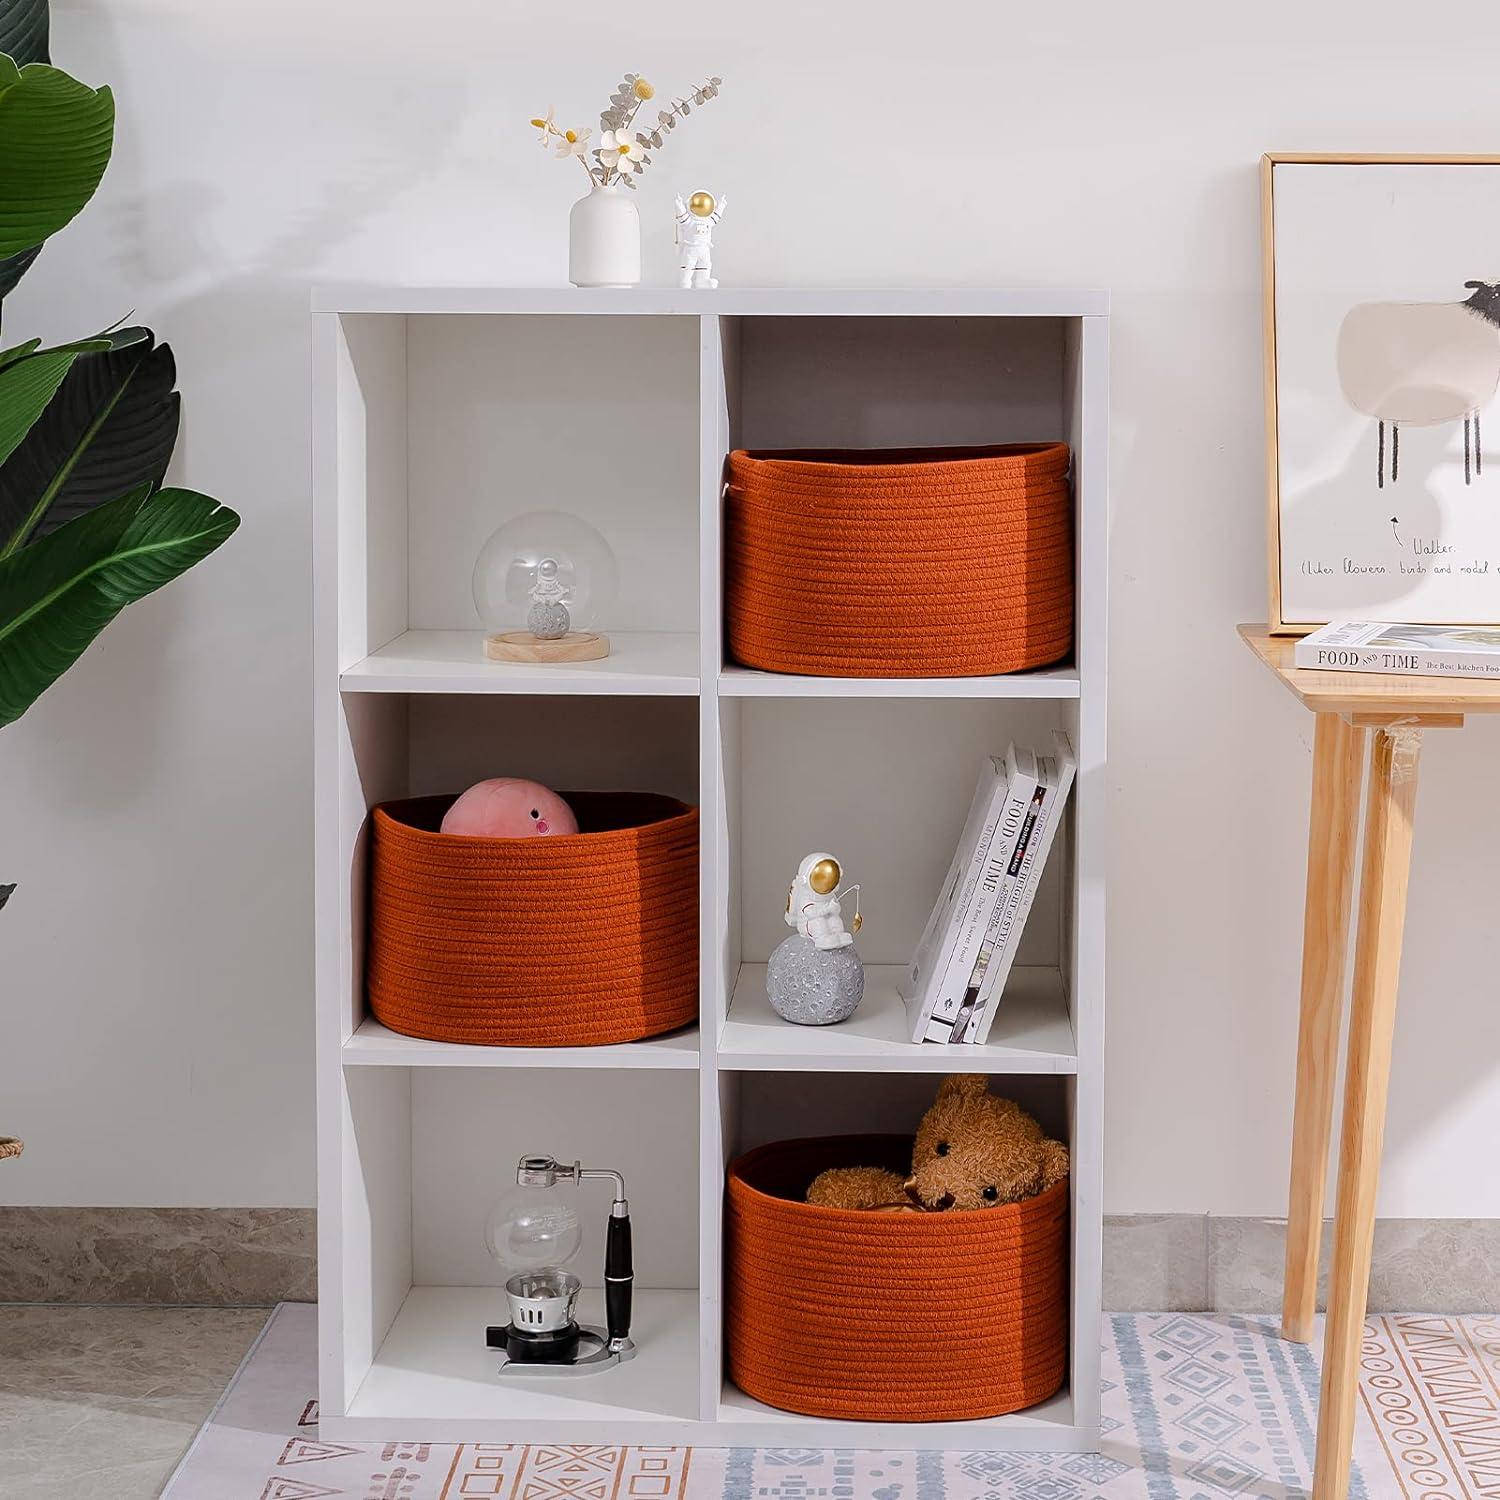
[
  {"x": 1061, "y": 769},
  {"x": 919, "y": 982},
  {"x": 1020, "y": 789},
  {"x": 1403, "y": 650},
  {"x": 966, "y": 1021},
  {"x": 932, "y": 934}
]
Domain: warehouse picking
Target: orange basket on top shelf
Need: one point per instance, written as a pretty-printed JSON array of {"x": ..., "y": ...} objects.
[{"x": 926, "y": 562}]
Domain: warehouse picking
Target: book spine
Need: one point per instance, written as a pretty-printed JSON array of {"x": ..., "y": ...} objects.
[
  {"x": 1405, "y": 661},
  {"x": 965, "y": 1023},
  {"x": 979, "y": 910},
  {"x": 929, "y": 986},
  {"x": 1060, "y": 783}
]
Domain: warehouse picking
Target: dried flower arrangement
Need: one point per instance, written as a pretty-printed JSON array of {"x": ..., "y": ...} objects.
[{"x": 624, "y": 149}]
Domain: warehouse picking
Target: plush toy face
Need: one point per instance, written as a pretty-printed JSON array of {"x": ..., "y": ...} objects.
[
  {"x": 975, "y": 1150},
  {"x": 509, "y": 808}
]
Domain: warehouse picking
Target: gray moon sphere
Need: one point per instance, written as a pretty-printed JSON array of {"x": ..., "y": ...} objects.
[{"x": 811, "y": 986}]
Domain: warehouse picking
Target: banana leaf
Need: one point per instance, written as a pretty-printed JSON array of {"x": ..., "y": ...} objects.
[
  {"x": 27, "y": 385},
  {"x": 101, "y": 343},
  {"x": 14, "y": 267},
  {"x": 24, "y": 38},
  {"x": 57, "y": 594},
  {"x": 56, "y": 136},
  {"x": 24, "y": 27},
  {"x": 111, "y": 426}
]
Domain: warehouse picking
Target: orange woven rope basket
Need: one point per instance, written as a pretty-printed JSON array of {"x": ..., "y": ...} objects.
[
  {"x": 889, "y": 1317},
  {"x": 929, "y": 562},
  {"x": 563, "y": 941}
]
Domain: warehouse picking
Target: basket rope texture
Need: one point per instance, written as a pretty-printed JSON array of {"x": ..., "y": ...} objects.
[
  {"x": 571, "y": 940},
  {"x": 936, "y": 562},
  {"x": 889, "y": 1317}
]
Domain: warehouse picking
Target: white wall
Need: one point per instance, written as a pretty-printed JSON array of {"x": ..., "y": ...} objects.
[{"x": 155, "y": 986}]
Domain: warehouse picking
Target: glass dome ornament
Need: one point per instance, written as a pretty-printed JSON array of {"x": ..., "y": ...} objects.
[
  {"x": 534, "y": 1232},
  {"x": 542, "y": 583}
]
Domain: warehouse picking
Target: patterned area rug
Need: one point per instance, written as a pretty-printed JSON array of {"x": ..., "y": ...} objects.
[{"x": 1195, "y": 1407}]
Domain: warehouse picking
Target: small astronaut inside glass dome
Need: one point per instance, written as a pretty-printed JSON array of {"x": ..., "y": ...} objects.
[
  {"x": 542, "y": 582},
  {"x": 548, "y": 618}
]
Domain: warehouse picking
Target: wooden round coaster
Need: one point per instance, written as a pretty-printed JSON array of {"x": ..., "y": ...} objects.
[{"x": 522, "y": 646}]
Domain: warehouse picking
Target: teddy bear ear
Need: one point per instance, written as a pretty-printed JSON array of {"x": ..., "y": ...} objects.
[{"x": 963, "y": 1086}]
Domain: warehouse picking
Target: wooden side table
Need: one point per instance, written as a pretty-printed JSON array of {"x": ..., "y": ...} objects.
[{"x": 1391, "y": 712}]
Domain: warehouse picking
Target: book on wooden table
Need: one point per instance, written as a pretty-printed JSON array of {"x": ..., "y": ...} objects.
[
  {"x": 1403, "y": 650},
  {"x": 922, "y": 978},
  {"x": 1004, "y": 937}
]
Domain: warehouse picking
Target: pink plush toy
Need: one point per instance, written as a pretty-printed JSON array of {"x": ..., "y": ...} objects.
[{"x": 509, "y": 808}]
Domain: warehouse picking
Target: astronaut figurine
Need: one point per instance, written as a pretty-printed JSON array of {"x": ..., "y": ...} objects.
[
  {"x": 812, "y": 905},
  {"x": 695, "y": 238},
  {"x": 815, "y": 977},
  {"x": 548, "y": 618}
]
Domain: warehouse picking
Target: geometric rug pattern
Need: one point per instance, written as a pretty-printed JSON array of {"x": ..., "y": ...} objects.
[{"x": 1195, "y": 1408}]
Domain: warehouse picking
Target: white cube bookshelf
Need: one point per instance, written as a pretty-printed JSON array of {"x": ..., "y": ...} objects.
[{"x": 439, "y": 413}]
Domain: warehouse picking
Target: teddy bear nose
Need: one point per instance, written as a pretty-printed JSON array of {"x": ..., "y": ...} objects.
[{"x": 946, "y": 1201}]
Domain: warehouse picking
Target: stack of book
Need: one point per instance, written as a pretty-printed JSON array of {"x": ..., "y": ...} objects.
[
  {"x": 1406, "y": 650},
  {"x": 955, "y": 984}
]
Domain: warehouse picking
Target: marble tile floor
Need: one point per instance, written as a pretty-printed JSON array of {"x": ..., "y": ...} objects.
[{"x": 99, "y": 1402}]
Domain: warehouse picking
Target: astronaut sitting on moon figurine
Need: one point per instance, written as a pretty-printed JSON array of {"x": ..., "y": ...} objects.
[
  {"x": 695, "y": 238},
  {"x": 548, "y": 618},
  {"x": 815, "y": 978}
]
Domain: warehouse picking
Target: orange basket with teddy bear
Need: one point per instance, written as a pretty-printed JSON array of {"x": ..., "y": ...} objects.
[{"x": 885, "y": 1312}]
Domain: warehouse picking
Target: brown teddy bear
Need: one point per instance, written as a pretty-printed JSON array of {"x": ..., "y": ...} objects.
[{"x": 973, "y": 1150}]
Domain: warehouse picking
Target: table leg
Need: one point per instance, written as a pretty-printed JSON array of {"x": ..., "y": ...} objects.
[
  {"x": 1372, "y": 1021},
  {"x": 1338, "y": 761}
]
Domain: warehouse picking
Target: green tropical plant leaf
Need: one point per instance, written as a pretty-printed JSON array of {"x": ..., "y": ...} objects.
[
  {"x": 14, "y": 267},
  {"x": 57, "y": 594},
  {"x": 24, "y": 27},
  {"x": 100, "y": 343},
  {"x": 111, "y": 426},
  {"x": 10, "y": 356},
  {"x": 27, "y": 384},
  {"x": 56, "y": 135}
]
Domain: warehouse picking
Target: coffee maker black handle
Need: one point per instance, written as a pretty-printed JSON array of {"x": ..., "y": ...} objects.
[{"x": 619, "y": 1276}]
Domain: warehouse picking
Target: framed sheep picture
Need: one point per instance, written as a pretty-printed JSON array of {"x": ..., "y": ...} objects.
[{"x": 1382, "y": 336}]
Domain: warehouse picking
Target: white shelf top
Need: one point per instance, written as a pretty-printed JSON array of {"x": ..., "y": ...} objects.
[
  {"x": 1032, "y": 1033},
  {"x": 647, "y": 664},
  {"x": 1012, "y": 302},
  {"x": 1050, "y": 682},
  {"x": 374, "y": 1046},
  {"x": 433, "y": 1373}
]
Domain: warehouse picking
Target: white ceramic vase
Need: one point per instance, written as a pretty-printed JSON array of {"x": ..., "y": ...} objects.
[{"x": 604, "y": 240}]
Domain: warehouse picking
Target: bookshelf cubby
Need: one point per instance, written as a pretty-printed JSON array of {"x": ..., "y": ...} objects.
[{"x": 438, "y": 414}]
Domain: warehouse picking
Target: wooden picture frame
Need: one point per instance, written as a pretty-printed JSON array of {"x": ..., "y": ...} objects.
[{"x": 1285, "y": 616}]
